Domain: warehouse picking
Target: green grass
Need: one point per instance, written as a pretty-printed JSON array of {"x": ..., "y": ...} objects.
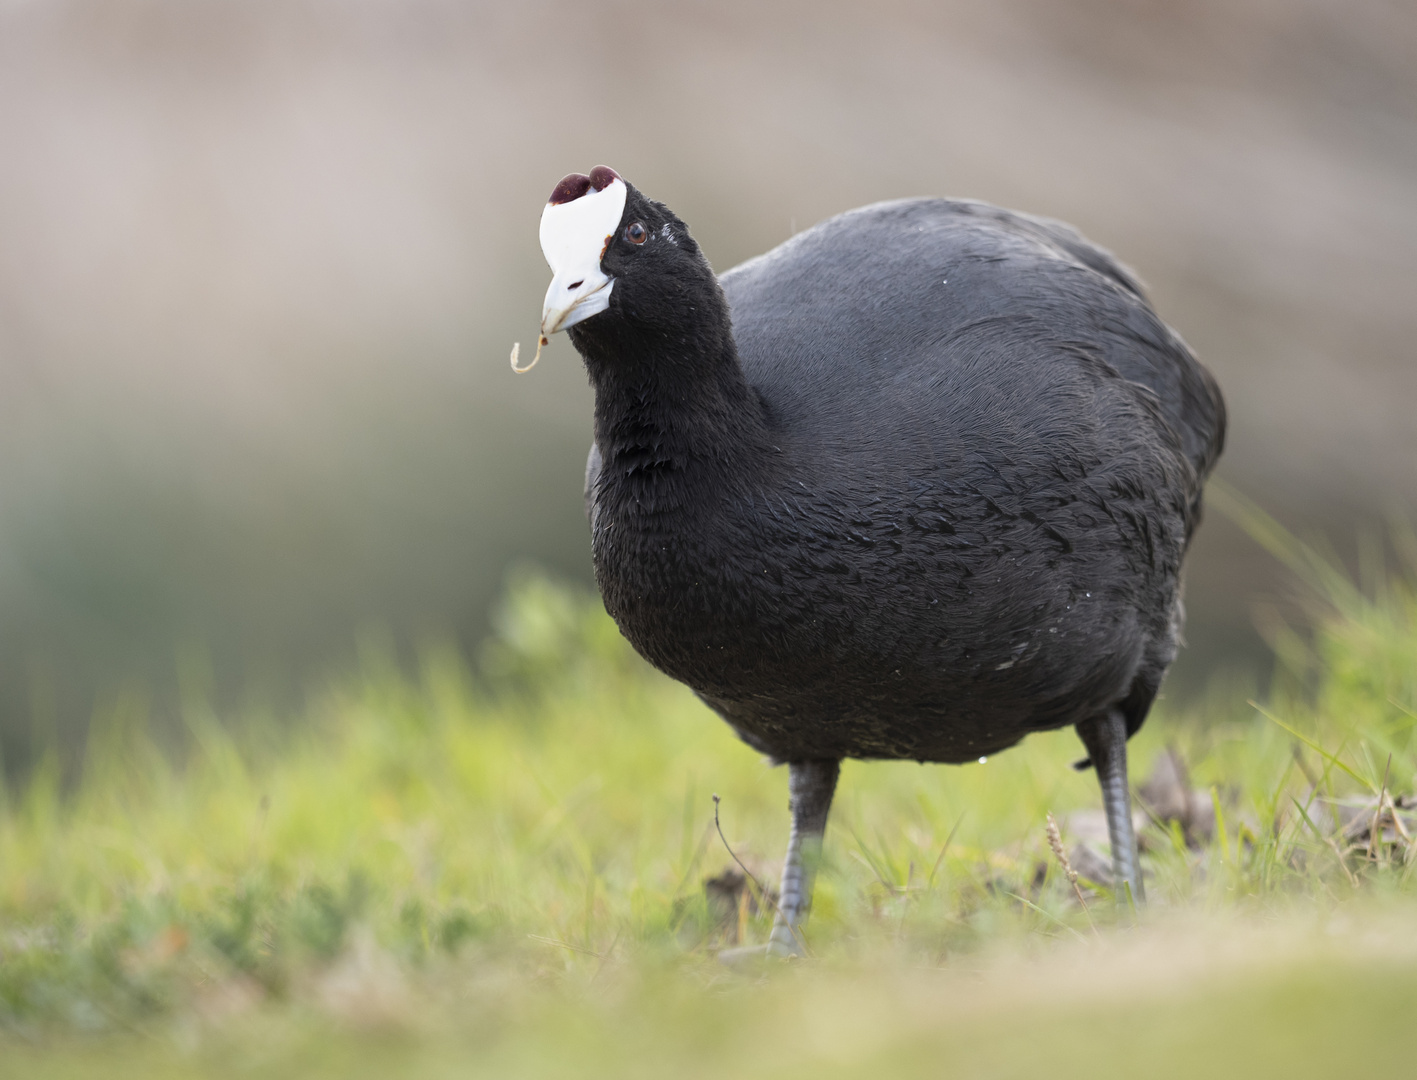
[{"x": 501, "y": 874}]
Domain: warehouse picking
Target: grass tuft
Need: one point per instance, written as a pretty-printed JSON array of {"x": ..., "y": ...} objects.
[{"x": 501, "y": 871}]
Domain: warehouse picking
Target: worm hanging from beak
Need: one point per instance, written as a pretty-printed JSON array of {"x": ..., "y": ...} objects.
[{"x": 516, "y": 352}]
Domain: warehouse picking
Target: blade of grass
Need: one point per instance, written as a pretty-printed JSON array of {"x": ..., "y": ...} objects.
[
  {"x": 1315, "y": 747},
  {"x": 930, "y": 885},
  {"x": 1051, "y": 918}
]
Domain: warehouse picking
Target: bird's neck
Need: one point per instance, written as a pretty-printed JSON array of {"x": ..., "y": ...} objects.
[{"x": 674, "y": 413}]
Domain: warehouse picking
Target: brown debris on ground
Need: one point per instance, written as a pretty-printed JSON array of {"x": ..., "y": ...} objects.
[
  {"x": 732, "y": 902},
  {"x": 1167, "y": 796},
  {"x": 1091, "y": 865},
  {"x": 1382, "y": 830}
]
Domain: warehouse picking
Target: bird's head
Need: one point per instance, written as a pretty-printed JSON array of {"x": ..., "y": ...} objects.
[{"x": 612, "y": 250}]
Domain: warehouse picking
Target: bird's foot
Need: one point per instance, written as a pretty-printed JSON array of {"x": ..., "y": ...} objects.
[{"x": 747, "y": 956}]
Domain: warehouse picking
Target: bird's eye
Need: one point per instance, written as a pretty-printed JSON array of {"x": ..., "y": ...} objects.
[{"x": 636, "y": 233}]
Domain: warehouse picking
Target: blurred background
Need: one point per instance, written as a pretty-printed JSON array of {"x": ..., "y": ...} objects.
[{"x": 262, "y": 262}]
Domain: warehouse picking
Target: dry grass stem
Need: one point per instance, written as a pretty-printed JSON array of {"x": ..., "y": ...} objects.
[{"x": 1055, "y": 841}]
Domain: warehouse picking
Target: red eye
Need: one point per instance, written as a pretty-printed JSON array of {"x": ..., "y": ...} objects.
[{"x": 636, "y": 233}]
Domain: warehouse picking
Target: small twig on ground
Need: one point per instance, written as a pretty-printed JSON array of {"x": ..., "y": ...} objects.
[
  {"x": 734, "y": 856},
  {"x": 1055, "y": 841}
]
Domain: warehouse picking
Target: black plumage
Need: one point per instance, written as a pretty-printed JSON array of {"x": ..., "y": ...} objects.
[{"x": 913, "y": 484}]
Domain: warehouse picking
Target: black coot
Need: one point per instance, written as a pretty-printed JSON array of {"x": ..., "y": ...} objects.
[{"x": 913, "y": 484}]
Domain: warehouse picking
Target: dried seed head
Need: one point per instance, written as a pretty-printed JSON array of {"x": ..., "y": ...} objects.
[{"x": 1055, "y": 841}]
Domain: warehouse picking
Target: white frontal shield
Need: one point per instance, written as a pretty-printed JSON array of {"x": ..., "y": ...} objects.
[{"x": 574, "y": 236}]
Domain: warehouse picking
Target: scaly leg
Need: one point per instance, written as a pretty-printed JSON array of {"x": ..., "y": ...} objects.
[
  {"x": 1105, "y": 737},
  {"x": 810, "y": 786}
]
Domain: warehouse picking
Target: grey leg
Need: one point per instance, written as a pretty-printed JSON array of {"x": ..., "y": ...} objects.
[
  {"x": 1105, "y": 737},
  {"x": 810, "y": 786}
]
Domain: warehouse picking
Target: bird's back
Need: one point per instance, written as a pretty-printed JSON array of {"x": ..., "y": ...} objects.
[{"x": 859, "y": 304}]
